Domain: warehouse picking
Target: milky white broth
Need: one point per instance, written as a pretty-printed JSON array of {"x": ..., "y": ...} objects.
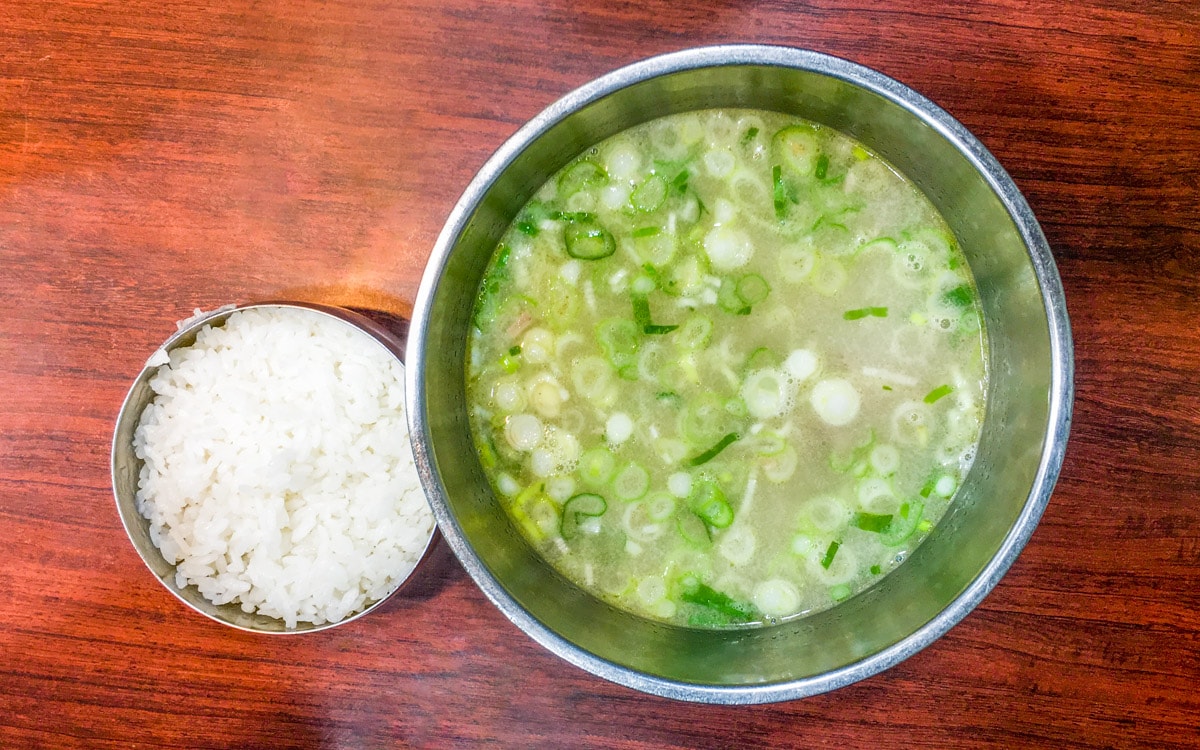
[{"x": 726, "y": 368}]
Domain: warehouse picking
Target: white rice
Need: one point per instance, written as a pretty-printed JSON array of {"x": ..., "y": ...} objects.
[{"x": 278, "y": 471}]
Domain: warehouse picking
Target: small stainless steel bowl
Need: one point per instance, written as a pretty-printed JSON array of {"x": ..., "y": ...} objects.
[
  {"x": 126, "y": 467},
  {"x": 999, "y": 504}
]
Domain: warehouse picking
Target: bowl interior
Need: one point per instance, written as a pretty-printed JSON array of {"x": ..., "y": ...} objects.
[
  {"x": 997, "y": 505},
  {"x": 126, "y": 467}
]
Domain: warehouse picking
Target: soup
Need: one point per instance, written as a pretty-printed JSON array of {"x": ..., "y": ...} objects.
[{"x": 726, "y": 369}]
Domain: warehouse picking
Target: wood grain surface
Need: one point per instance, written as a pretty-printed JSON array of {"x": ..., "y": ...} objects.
[{"x": 160, "y": 156}]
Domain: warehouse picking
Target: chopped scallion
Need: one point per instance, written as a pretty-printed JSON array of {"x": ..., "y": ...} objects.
[
  {"x": 830, "y": 553},
  {"x": 641, "y": 315},
  {"x": 679, "y": 184},
  {"x": 822, "y": 168},
  {"x": 581, "y": 176},
  {"x": 936, "y": 394},
  {"x": 650, "y": 194},
  {"x": 694, "y": 592},
  {"x": 781, "y": 196},
  {"x": 749, "y": 135},
  {"x": 711, "y": 453},
  {"x": 578, "y": 509},
  {"x": 874, "y": 522},
  {"x": 752, "y": 289},
  {"x": 865, "y": 312},
  {"x": 587, "y": 240},
  {"x": 650, "y": 231},
  {"x": 960, "y": 296},
  {"x": 708, "y": 502}
]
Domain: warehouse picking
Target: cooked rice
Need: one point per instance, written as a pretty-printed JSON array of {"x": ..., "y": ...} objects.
[{"x": 278, "y": 472}]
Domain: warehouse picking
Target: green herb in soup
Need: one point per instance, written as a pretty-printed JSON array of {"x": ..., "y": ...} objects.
[{"x": 727, "y": 369}]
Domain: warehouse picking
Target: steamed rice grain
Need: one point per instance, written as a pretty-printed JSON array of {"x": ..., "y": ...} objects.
[{"x": 277, "y": 470}]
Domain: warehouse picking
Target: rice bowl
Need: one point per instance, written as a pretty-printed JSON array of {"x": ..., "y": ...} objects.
[{"x": 270, "y": 467}]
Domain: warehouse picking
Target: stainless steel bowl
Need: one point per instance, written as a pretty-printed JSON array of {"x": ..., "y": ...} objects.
[
  {"x": 126, "y": 467},
  {"x": 999, "y": 504}
]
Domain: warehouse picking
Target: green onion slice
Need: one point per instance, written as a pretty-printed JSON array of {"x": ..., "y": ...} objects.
[
  {"x": 583, "y": 175},
  {"x": 650, "y": 195},
  {"x": 641, "y": 315},
  {"x": 752, "y": 289},
  {"x": 578, "y": 509},
  {"x": 712, "y": 452},
  {"x": 874, "y": 522},
  {"x": 830, "y": 553},
  {"x": 587, "y": 240},
  {"x": 865, "y": 312},
  {"x": 709, "y": 503},
  {"x": 904, "y": 524},
  {"x": 937, "y": 393},
  {"x": 693, "y": 591}
]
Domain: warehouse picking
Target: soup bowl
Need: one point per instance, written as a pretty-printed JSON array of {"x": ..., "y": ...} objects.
[{"x": 1023, "y": 438}]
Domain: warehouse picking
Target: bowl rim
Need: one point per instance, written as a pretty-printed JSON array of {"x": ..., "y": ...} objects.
[
  {"x": 127, "y": 511},
  {"x": 1061, "y": 393}
]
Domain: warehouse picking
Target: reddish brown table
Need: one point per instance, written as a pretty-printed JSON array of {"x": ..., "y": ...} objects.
[{"x": 158, "y": 156}]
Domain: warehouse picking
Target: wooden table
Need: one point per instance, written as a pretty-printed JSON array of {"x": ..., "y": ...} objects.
[{"x": 161, "y": 156}]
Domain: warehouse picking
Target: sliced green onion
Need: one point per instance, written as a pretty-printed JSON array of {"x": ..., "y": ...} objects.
[
  {"x": 904, "y": 524},
  {"x": 863, "y": 312},
  {"x": 708, "y": 502},
  {"x": 705, "y": 420},
  {"x": 761, "y": 359},
  {"x": 650, "y": 195},
  {"x": 631, "y": 483},
  {"x": 578, "y": 509},
  {"x": 679, "y": 184},
  {"x": 960, "y": 296},
  {"x": 752, "y": 289},
  {"x": 729, "y": 300},
  {"x": 796, "y": 146},
  {"x": 582, "y": 175},
  {"x": 618, "y": 339},
  {"x": 781, "y": 195},
  {"x": 712, "y": 452},
  {"x": 822, "y": 167},
  {"x": 695, "y": 333},
  {"x": 876, "y": 570},
  {"x": 693, "y": 591},
  {"x": 527, "y": 228},
  {"x": 641, "y": 315},
  {"x": 874, "y": 522},
  {"x": 694, "y": 530},
  {"x": 749, "y": 135},
  {"x": 587, "y": 240},
  {"x": 937, "y": 393},
  {"x": 840, "y": 592},
  {"x": 596, "y": 467},
  {"x": 650, "y": 231},
  {"x": 830, "y": 553}
]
